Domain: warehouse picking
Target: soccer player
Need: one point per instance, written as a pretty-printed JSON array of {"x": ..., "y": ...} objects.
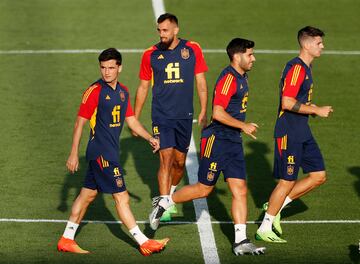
[
  {"x": 295, "y": 145},
  {"x": 106, "y": 103},
  {"x": 221, "y": 145},
  {"x": 170, "y": 67}
]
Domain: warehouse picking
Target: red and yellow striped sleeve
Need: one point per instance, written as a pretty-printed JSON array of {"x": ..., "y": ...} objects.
[
  {"x": 145, "y": 66},
  {"x": 90, "y": 101},
  {"x": 224, "y": 89},
  {"x": 129, "y": 110},
  {"x": 293, "y": 80},
  {"x": 200, "y": 64}
]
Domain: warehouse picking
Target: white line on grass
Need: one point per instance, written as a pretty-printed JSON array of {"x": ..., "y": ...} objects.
[
  {"x": 207, "y": 238},
  {"x": 97, "y": 51},
  {"x": 20, "y": 220},
  {"x": 158, "y": 7}
]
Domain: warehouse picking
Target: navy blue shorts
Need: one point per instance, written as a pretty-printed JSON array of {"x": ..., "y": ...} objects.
[
  {"x": 218, "y": 155},
  {"x": 291, "y": 155},
  {"x": 173, "y": 133},
  {"x": 104, "y": 176}
]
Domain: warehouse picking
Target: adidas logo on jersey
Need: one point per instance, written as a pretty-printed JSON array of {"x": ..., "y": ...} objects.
[
  {"x": 107, "y": 97},
  {"x": 161, "y": 57}
]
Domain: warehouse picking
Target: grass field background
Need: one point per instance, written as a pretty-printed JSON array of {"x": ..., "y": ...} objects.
[{"x": 40, "y": 95}]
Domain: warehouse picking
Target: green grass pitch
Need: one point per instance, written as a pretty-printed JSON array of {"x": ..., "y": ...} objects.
[{"x": 40, "y": 95}]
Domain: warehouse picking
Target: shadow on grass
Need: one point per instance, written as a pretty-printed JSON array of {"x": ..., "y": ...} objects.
[
  {"x": 261, "y": 181},
  {"x": 146, "y": 165},
  {"x": 354, "y": 253},
  {"x": 356, "y": 172},
  {"x": 97, "y": 209}
]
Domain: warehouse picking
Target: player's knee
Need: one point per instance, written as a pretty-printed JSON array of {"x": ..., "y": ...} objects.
[
  {"x": 204, "y": 190},
  {"x": 319, "y": 177},
  {"x": 179, "y": 164},
  {"x": 240, "y": 192},
  {"x": 286, "y": 185},
  {"x": 121, "y": 199}
]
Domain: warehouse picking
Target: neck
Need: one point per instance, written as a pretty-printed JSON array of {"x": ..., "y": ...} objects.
[
  {"x": 306, "y": 58},
  {"x": 112, "y": 84},
  {"x": 237, "y": 68},
  {"x": 174, "y": 43}
]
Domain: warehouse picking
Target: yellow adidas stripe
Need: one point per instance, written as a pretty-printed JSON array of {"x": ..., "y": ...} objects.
[
  {"x": 295, "y": 74},
  {"x": 227, "y": 84},
  {"x": 284, "y": 142},
  {"x": 209, "y": 146},
  {"x": 87, "y": 93}
]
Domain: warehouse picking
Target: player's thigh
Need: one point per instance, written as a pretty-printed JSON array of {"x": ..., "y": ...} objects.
[
  {"x": 234, "y": 167},
  {"x": 312, "y": 160},
  {"x": 109, "y": 176},
  {"x": 183, "y": 132},
  {"x": 287, "y": 158},
  {"x": 211, "y": 161},
  {"x": 165, "y": 132}
]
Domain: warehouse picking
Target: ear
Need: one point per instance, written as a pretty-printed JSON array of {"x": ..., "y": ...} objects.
[
  {"x": 176, "y": 30},
  {"x": 120, "y": 68},
  {"x": 237, "y": 57}
]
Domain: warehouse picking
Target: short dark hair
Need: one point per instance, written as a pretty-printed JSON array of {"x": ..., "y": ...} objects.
[
  {"x": 309, "y": 31},
  {"x": 110, "y": 54},
  {"x": 172, "y": 18},
  {"x": 237, "y": 45}
]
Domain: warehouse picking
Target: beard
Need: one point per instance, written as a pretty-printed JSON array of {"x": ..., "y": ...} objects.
[{"x": 165, "y": 45}]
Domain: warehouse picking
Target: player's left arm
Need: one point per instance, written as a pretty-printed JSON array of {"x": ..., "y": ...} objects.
[
  {"x": 199, "y": 71},
  {"x": 202, "y": 90},
  {"x": 225, "y": 118},
  {"x": 139, "y": 129},
  {"x": 293, "y": 81}
]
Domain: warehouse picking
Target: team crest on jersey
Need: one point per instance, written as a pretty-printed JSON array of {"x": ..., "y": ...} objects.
[
  {"x": 185, "y": 53},
  {"x": 290, "y": 170},
  {"x": 119, "y": 182},
  {"x": 210, "y": 176},
  {"x": 122, "y": 96}
]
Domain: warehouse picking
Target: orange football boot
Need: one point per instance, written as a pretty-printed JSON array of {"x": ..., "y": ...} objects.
[
  {"x": 69, "y": 245},
  {"x": 153, "y": 246}
]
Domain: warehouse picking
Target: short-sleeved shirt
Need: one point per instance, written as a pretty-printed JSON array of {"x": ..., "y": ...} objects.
[
  {"x": 106, "y": 109},
  {"x": 231, "y": 92},
  {"x": 172, "y": 75},
  {"x": 296, "y": 82}
]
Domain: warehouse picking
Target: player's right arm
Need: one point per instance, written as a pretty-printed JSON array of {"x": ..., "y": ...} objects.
[
  {"x": 225, "y": 88},
  {"x": 87, "y": 108},
  {"x": 223, "y": 117},
  {"x": 73, "y": 160},
  {"x": 291, "y": 104},
  {"x": 145, "y": 76},
  {"x": 141, "y": 95},
  {"x": 294, "y": 79}
]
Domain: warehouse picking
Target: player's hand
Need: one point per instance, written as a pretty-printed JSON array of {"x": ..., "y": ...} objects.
[
  {"x": 324, "y": 111},
  {"x": 250, "y": 129},
  {"x": 155, "y": 144},
  {"x": 72, "y": 163},
  {"x": 202, "y": 120}
]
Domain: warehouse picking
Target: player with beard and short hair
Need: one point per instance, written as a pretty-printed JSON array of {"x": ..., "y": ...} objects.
[
  {"x": 222, "y": 148},
  {"x": 170, "y": 68}
]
